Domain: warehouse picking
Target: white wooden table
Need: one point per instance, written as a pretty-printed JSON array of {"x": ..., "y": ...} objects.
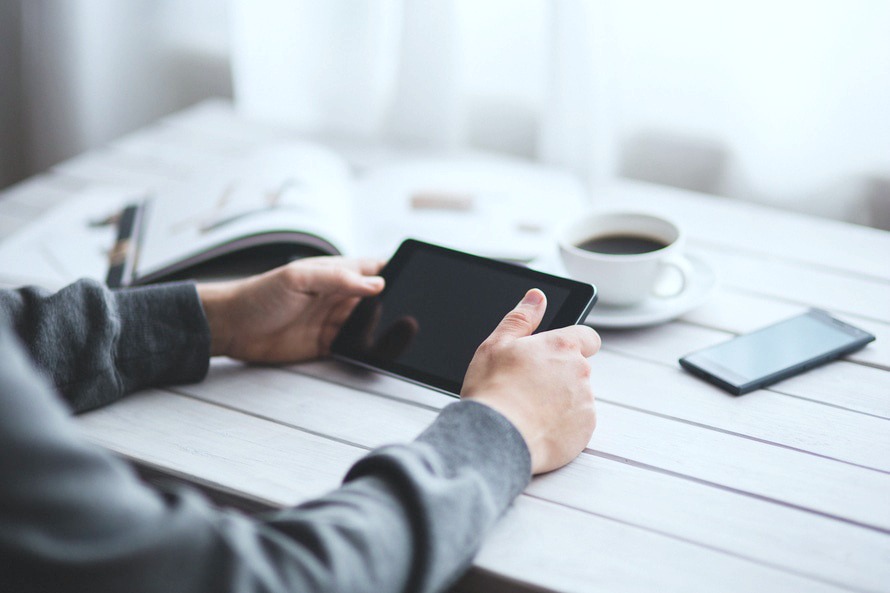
[{"x": 682, "y": 487}]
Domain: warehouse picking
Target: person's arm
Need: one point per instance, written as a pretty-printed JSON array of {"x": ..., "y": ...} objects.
[
  {"x": 96, "y": 345},
  {"x": 409, "y": 517}
]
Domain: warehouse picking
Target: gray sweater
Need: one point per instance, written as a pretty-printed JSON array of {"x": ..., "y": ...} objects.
[{"x": 75, "y": 518}]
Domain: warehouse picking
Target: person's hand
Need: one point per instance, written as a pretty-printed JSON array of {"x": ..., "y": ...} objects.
[
  {"x": 288, "y": 314},
  {"x": 540, "y": 383}
]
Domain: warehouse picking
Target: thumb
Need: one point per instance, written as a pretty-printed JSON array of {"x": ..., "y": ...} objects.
[{"x": 524, "y": 318}]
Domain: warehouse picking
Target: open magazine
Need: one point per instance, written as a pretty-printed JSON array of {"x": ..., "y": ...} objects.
[
  {"x": 293, "y": 200},
  {"x": 276, "y": 204},
  {"x": 289, "y": 200}
]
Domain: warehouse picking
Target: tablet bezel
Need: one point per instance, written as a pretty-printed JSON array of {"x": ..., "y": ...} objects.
[{"x": 574, "y": 310}]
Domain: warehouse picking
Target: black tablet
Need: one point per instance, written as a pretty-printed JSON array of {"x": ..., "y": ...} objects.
[{"x": 439, "y": 305}]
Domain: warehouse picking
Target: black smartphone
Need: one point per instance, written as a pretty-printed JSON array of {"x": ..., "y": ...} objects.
[
  {"x": 439, "y": 305},
  {"x": 776, "y": 352}
]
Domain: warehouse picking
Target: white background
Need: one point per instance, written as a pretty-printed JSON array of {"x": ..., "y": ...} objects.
[{"x": 779, "y": 102}]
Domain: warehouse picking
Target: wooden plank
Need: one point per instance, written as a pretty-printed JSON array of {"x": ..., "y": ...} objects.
[
  {"x": 357, "y": 378},
  {"x": 710, "y": 455},
  {"x": 216, "y": 118},
  {"x": 764, "y": 532},
  {"x": 24, "y": 202},
  {"x": 18, "y": 209},
  {"x": 845, "y": 384},
  {"x": 760, "y": 230},
  {"x": 662, "y": 343},
  {"x": 726, "y": 460},
  {"x": 771, "y": 417},
  {"x": 164, "y": 135},
  {"x": 40, "y": 192},
  {"x": 179, "y": 147},
  {"x": 62, "y": 245},
  {"x": 22, "y": 262},
  {"x": 559, "y": 549},
  {"x": 808, "y": 286},
  {"x": 110, "y": 167},
  {"x": 339, "y": 412},
  {"x": 270, "y": 462},
  {"x": 41, "y": 275},
  {"x": 767, "y": 533},
  {"x": 10, "y": 225},
  {"x": 220, "y": 447},
  {"x": 21, "y": 208},
  {"x": 737, "y": 312}
]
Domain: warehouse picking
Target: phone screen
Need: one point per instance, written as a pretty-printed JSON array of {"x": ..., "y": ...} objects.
[{"x": 777, "y": 351}]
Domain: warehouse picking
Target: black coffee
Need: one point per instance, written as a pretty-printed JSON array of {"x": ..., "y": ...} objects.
[{"x": 622, "y": 244}]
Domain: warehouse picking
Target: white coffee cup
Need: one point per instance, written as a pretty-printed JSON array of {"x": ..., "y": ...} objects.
[{"x": 625, "y": 277}]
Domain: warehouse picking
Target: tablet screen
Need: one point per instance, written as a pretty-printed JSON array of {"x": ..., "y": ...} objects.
[{"x": 439, "y": 305}]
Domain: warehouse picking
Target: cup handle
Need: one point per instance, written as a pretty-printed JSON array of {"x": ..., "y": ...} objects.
[{"x": 682, "y": 266}]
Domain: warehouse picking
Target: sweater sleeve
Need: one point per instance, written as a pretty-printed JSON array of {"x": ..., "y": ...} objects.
[
  {"x": 96, "y": 345},
  {"x": 409, "y": 517}
]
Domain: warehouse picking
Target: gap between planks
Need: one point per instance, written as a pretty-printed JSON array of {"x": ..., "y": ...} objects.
[
  {"x": 732, "y": 559},
  {"x": 843, "y": 384},
  {"x": 714, "y": 548},
  {"x": 755, "y": 450},
  {"x": 276, "y": 418}
]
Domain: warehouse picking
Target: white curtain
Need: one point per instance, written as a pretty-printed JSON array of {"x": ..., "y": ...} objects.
[
  {"x": 515, "y": 76},
  {"x": 92, "y": 70},
  {"x": 782, "y": 102}
]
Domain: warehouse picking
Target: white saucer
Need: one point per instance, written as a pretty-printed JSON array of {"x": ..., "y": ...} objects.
[{"x": 653, "y": 310}]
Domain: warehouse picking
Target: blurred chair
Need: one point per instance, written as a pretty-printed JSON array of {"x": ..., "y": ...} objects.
[
  {"x": 674, "y": 159},
  {"x": 878, "y": 202},
  {"x": 448, "y": 75}
]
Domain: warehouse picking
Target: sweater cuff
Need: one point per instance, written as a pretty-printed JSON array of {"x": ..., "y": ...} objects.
[
  {"x": 164, "y": 336},
  {"x": 470, "y": 434}
]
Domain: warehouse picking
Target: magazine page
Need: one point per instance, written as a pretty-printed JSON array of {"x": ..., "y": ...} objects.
[{"x": 293, "y": 192}]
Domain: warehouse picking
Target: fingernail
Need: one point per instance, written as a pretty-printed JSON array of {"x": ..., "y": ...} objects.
[{"x": 533, "y": 297}]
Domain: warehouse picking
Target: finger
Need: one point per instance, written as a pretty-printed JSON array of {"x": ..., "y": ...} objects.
[
  {"x": 581, "y": 337},
  {"x": 334, "y": 280},
  {"x": 524, "y": 319},
  {"x": 366, "y": 266}
]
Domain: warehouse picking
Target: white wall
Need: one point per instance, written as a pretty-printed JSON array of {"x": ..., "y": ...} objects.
[
  {"x": 11, "y": 131},
  {"x": 794, "y": 94},
  {"x": 95, "y": 69},
  {"x": 782, "y": 102}
]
